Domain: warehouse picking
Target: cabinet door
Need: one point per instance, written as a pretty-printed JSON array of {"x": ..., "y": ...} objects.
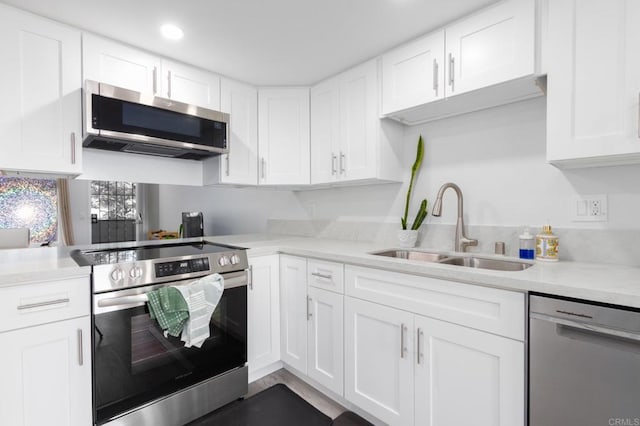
[
  {"x": 283, "y": 136},
  {"x": 119, "y": 65},
  {"x": 413, "y": 74},
  {"x": 40, "y": 112},
  {"x": 294, "y": 310},
  {"x": 359, "y": 121},
  {"x": 492, "y": 46},
  {"x": 467, "y": 377},
  {"x": 240, "y": 165},
  {"x": 379, "y": 360},
  {"x": 325, "y": 342},
  {"x": 593, "y": 84},
  {"x": 325, "y": 132},
  {"x": 46, "y": 374},
  {"x": 190, "y": 85},
  {"x": 263, "y": 313}
]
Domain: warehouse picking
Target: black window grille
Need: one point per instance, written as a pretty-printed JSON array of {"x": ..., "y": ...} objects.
[{"x": 113, "y": 211}]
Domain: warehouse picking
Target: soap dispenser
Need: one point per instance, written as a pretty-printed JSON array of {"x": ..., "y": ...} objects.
[
  {"x": 527, "y": 244},
  {"x": 547, "y": 245}
]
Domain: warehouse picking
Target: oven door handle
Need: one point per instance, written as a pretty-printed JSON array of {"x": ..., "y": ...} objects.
[{"x": 231, "y": 280}]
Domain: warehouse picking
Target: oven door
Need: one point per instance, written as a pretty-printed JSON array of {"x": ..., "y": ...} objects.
[{"x": 135, "y": 364}]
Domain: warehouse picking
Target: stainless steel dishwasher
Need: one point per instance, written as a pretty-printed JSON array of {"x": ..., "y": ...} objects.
[{"x": 584, "y": 363}]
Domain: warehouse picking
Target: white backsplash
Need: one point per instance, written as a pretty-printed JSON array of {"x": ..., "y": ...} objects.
[{"x": 581, "y": 245}]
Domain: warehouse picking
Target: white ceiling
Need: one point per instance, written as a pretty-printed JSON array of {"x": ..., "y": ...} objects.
[{"x": 264, "y": 42}]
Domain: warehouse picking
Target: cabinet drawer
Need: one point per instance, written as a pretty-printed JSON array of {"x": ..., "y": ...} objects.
[
  {"x": 43, "y": 302},
  {"x": 325, "y": 275},
  {"x": 496, "y": 311}
]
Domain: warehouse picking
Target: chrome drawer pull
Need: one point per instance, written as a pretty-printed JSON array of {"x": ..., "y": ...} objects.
[
  {"x": 419, "y": 351},
  {"x": 41, "y": 304},
  {"x": 319, "y": 275},
  {"x": 403, "y": 329},
  {"x": 80, "y": 356}
]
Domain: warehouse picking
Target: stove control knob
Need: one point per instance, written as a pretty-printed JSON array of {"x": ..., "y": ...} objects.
[
  {"x": 224, "y": 261},
  {"x": 235, "y": 259},
  {"x": 135, "y": 272},
  {"x": 117, "y": 275}
]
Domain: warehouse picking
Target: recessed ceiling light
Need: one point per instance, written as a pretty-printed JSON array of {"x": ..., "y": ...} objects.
[{"x": 171, "y": 32}]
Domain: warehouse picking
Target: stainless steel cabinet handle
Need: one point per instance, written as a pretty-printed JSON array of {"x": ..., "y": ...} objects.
[
  {"x": 250, "y": 277},
  {"x": 435, "y": 76},
  {"x": 41, "y": 304},
  {"x": 80, "y": 356},
  {"x": 168, "y": 84},
  {"x": 419, "y": 342},
  {"x": 155, "y": 80},
  {"x": 319, "y": 275},
  {"x": 342, "y": 161},
  {"x": 451, "y": 71},
  {"x": 639, "y": 117},
  {"x": 309, "y": 314},
  {"x": 403, "y": 349},
  {"x": 227, "y": 165},
  {"x": 333, "y": 164},
  {"x": 262, "y": 167},
  {"x": 73, "y": 147}
]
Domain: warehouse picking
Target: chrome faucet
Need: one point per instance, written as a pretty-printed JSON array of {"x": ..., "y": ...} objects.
[{"x": 461, "y": 242}]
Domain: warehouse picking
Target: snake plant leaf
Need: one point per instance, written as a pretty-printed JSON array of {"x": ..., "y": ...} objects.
[
  {"x": 414, "y": 170},
  {"x": 422, "y": 214}
]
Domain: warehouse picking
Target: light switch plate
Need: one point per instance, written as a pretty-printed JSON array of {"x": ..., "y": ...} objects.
[{"x": 590, "y": 208}]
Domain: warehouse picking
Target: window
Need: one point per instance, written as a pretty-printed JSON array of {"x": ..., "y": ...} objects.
[
  {"x": 30, "y": 203},
  {"x": 113, "y": 211}
]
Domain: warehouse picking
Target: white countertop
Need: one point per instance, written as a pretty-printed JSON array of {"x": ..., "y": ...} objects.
[
  {"x": 19, "y": 266},
  {"x": 598, "y": 282}
]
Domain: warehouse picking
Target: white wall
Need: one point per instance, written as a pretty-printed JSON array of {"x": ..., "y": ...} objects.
[
  {"x": 497, "y": 157},
  {"x": 227, "y": 210}
]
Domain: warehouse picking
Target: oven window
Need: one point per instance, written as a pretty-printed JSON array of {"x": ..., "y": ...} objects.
[{"x": 135, "y": 363}]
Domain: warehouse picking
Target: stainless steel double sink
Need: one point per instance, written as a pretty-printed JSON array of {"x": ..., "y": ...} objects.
[{"x": 470, "y": 261}]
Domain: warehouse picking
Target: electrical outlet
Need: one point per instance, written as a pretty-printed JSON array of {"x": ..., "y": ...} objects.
[{"x": 590, "y": 208}]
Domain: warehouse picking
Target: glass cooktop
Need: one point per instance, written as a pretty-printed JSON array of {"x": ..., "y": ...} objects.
[{"x": 151, "y": 252}]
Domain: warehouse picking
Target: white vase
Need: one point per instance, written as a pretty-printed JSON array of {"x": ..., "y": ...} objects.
[{"x": 407, "y": 238}]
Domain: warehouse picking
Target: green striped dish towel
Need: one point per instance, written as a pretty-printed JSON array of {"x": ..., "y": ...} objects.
[{"x": 168, "y": 307}]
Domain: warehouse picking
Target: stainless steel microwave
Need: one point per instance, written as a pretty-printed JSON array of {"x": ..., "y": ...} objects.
[{"x": 117, "y": 119}]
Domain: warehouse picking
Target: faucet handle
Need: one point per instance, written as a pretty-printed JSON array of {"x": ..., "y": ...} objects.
[{"x": 467, "y": 242}]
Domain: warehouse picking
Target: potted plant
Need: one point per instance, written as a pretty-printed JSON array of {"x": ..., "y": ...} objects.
[{"x": 409, "y": 237}]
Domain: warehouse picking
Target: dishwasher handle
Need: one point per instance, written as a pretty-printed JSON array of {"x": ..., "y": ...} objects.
[{"x": 592, "y": 329}]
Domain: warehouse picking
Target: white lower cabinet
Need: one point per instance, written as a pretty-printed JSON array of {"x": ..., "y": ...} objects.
[
  {"x": 466, "y": 377},
  {"x": 378, "y": 361},
  {"x": 46, "y": 374},
  {"x": 407, "y": 369},
  {"x": 325, "y": 339},
  {"x": 294, "y": 312},
  {"x": 263, "y": 314}
]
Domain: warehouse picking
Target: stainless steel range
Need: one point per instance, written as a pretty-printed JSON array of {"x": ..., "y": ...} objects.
[{"x": 140, "y": 375}]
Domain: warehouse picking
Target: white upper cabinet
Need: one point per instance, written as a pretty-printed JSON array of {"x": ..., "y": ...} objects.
[
  {"x": 413, "y": 73},
  {"x": 283, "y": 136},
  {"x": 190, "y": 85},
  {"x": 490, "y": 47},
  {"x": 325, "y": 131},
  {"x": 349, "y": 142},
  {"x": 40, "y": 82},
  {"x": 119, "y": 65},
  {"x": 490, "y": 57},
  {"x": 240, "y": 101},
  {"x": 240, "y": 165},
  {"x": 593, "y": 82}
]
